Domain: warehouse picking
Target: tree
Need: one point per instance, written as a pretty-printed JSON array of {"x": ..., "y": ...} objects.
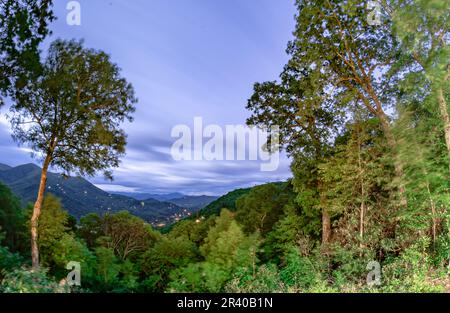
[
  {"x": 306, "y": 124},
  {"x": 90, "y": 229},
  {"x": 338, "y": 60},
  {"x": 24, "y": 25},
  {"x": 52, "y": 227},
  {"x": 69, "y": 248},
  {"x": 166, "y": 255},
  {"x": 126, "y": 234},
  {"x": 299, "y": 272},
  {"x": 222, "y": 223},
  {"x": 423, "y": 29},
  {"x": 260, "y": 209},
  {"x": 355, "y": 178},
  {"x": 427, "y": 176},
  {"x": 289, "y": 231},
  {"x": 71, "y": 115},
  {"x": 108, "y": 267},
  {"x": 424, "y": 123},
  {"x": 194, "y": 230},
  {"x": 336, "y": 38}
]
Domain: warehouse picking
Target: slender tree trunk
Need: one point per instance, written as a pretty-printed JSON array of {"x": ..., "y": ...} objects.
[
  {"x": 361, "y": 209},
  {"x": 433, "y": 214},
  {"x": 326, "y": 226},
  {"x": 36, "y": 213},
  {"x": 445, "y": 118}
]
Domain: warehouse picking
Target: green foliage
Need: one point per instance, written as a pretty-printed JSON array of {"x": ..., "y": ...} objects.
[
  {"x": 165, "y": 256},
  {"x": 8, "y": 260},
  {"x": 260, "y": 209},
  {"x": 198, "y": 277},
  {"x": 71, "y": 113},
  {"x": 23, "y": 28},
  {"x": 67, "y": 249},
  {"x": 107, "y": 268},
  {"x": 265, "y": 280},
  {"x": 126, "y": 235},
  {"x": 413, "y": 272},
  {"x": 226, "y": 250},
  {"x": 90, "y": 229},
  {"x": 222, "y": 224},
  {"x": 28, "y": 281},
  {"x": 299, "y": 272},
  {"x": 128, "y": 277},
  {"x": 288, "y": 232},
  {"x": 227, "y": 201},
  {"x": 12, "y": 220},
  {"x": 52, "y": 227},
  {"x": 194, "y": 230}
]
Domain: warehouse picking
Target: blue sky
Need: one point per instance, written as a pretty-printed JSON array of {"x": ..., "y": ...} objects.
[{"x": 185, "y": 58}]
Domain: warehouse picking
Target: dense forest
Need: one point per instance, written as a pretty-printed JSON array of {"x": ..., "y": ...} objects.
[{"x": 363, "y": 110}]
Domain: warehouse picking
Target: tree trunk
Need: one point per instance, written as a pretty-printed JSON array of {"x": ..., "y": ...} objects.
[
  {"x": 36, "y": 213},
  {"x": 445, "y": 118},
  {"x": 326, "y": 226},
  {"x": 361, "y": 208}
]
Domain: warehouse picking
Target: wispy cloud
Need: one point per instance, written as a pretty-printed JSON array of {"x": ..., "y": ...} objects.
[{"x": 115, "y": 188}]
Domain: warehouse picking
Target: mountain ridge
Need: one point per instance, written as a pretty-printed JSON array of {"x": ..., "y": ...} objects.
[{"x": 80, "y": 197}]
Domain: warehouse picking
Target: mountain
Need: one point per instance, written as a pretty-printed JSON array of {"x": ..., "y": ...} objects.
[
  {"x": 4, "y": 167},
  {"x": 188, "y": 202},
  {"x": 144, "y": 196},
  {"x": 79, "y": 197},
  {"x": 167, "y": 197},
  {"x": 226, "y": 201},
  {"x": 193, "y": 202}
]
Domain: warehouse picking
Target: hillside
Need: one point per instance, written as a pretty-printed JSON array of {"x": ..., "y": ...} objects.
[
  {"x": 193, "y": 202},
  {"x": 4, "y": 167},
  {"x": 80, "y": 197},
  {"x": 226, "y": 201}
]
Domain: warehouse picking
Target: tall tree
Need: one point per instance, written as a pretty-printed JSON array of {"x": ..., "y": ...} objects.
[
  {"x": 338, "y": 38},
  {"x": 70, "y": 116},
  {"x": 423, "y": 29},
  {"x": 306, "y": 122},
  {"x": 356, "y": 181}
]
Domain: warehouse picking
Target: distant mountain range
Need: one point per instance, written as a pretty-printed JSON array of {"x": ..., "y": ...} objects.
[
  {"x": 79, "y": 197},
  {"x": 189, "y": 202},
  {"x": 144, "y": 196}
]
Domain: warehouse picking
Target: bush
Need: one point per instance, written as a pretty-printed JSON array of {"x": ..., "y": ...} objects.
[
  {"x": 412, "y": 271},
  {"x": 299, "y": 272},
  {"x": 24, "y": 280},
  {"x": 265, "y": 280}
]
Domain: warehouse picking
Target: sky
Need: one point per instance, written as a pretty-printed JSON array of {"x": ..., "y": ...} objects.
[{"x": 185, "y": 59}]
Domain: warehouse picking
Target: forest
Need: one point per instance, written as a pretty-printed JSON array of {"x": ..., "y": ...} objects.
[{"x": 363, "y": 110}]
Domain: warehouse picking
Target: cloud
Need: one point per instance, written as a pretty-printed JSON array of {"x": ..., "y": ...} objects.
[{"x": 115, "y": 188}]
